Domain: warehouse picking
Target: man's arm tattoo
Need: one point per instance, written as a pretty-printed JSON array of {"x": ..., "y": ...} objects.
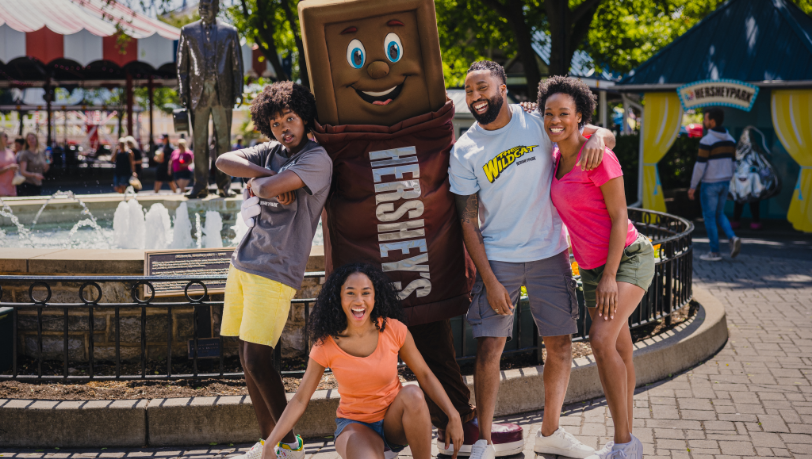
[{"x": 468, "y": 210}]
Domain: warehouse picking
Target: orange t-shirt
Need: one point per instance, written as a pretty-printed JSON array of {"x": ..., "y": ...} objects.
[{"x": 367, "y": 385}]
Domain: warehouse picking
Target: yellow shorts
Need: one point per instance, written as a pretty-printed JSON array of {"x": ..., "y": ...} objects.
[{"x": 255, "y": 308}]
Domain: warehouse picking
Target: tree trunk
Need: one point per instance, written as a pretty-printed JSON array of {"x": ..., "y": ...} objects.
[
  {"x": 568, "y": 29},
  {"x": 264, "y": 37},
  {"x": 513, "y": 12},
  {"x": 294, "y": 27}
]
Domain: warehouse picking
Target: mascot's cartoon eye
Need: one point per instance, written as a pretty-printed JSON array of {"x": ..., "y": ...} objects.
[
  {"x": 356, "y": 54},
  {"x": 393, "y": 47}
]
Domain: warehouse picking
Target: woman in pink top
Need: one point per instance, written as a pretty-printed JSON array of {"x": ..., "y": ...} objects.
[
  {"x": 357, "y": 332},
  {"x": 616, "y": 263},
  {"x": 182, "y": 160},
  {"x": 8, "y": 167}
]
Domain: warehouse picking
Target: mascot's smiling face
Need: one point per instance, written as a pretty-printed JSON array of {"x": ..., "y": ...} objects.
[
  {"x": 372, "y": 62},
  {"x": 376, "y": 66}
]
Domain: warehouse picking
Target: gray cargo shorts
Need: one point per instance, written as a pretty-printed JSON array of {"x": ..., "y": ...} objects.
[{"x": 550, "y": 286}]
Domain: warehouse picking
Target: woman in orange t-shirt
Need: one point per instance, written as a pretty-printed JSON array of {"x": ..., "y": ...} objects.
[{"x": 357, "y": 330}]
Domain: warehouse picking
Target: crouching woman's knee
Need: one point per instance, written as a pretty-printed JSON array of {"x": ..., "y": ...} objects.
[{"x": 413, "y": 398}]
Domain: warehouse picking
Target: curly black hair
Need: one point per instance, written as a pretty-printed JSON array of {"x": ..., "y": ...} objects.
[
  {"x": 328, "y": 317},
  {"x": 585, "y": 101},
  {"x": 279, "y": 96},
  {"x": 491, "y": 66}
]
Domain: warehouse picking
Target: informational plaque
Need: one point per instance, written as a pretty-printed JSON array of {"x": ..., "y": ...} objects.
[{"x": 189, "y": 263}]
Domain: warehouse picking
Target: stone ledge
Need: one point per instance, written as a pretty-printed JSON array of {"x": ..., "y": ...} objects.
[
  {"x": 30, "y": 423},
  {"x": 202, "y": 420}
]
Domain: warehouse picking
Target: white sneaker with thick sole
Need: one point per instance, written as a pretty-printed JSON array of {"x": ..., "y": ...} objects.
[
  {"x": 561, "y": 443},
  {"x": 604, "y": 452},
  {"x": 482, "y": 450},
  {"x": 254, "y": 453},
  {"x": 285, "y": 451}
]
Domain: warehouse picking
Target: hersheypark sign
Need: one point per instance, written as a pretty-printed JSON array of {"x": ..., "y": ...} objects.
[{"x": 726, "y": 93}]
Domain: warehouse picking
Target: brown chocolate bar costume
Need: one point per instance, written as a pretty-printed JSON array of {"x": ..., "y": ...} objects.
[{"x": 384, "y": 119}]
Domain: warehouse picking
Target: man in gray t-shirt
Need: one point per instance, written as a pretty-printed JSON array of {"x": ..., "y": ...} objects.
[{"x": 278, "y": 245}]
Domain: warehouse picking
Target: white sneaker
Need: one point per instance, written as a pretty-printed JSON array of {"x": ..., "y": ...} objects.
[
  {"x": 612, "y": 450},
  {"x": 561, "y": 443},
  {"x": 389, "y": 454},
  {"x": 254, "y": 453},
  {"x": 603, "y": 452},
  {"x": 284, "y": 451},
  {"x": 711, "y": 256},
  {"x": 482, "y": 450}
]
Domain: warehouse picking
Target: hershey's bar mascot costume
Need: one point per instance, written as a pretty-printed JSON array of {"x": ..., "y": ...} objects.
[{"x": 384, "y": 119}]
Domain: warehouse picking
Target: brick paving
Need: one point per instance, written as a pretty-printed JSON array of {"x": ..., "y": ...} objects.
[{"x": 752, "y": 399}]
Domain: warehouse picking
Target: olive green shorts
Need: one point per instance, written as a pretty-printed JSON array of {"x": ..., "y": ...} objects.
[{"x": 636, "y": 267}]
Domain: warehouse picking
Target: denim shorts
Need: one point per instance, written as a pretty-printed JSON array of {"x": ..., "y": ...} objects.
[
  {"x": 636, "y": 268},
  {"x": 183, "y": 174},
  {"x": 377, "y": 427},
  {"x": 121, "y": 180}
]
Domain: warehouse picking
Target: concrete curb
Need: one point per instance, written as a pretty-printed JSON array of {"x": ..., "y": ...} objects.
[{"x": 203, "y": 420}]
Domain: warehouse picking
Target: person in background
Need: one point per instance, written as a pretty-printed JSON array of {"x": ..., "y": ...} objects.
[
  {"x": 8, "y": 167},
  {"x": 33, "y": 166},
  {"x": 182, "y": 160},
  {"x": 138, "y": 156},
  {"x": 238, "y": 145},
  {"x": 755, "y": 215},
  {"x": 163, "y": 165},
  {"x": 714, "y": 169},
  {"x": 19, "y": 145},
  {"x": 125, "y": 166}
]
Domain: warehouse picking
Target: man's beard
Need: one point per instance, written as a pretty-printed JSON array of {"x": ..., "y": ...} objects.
[{"x": 494, "y": 105}]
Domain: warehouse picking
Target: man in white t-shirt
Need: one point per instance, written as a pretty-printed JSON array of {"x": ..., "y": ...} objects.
[{"x": 501, "y": 170}]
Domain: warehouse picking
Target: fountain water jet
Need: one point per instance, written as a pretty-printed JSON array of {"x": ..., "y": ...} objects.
[
  {"x": 158, "y": 228},
  {"x": 214, "y": 225},
  {"x": 182, "y": 231},
  {"x": 128, "y": 225}
]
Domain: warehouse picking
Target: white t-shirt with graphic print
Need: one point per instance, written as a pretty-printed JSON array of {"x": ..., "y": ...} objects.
[{"x": 511, "y": 169}]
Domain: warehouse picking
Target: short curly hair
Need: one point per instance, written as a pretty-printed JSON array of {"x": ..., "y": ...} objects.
[
  {"x": 585, "y": 100},
  {"x": 328, "y": 317},
  {"x": 491, "y": 66},
  {"x": 278, "y": 96}
]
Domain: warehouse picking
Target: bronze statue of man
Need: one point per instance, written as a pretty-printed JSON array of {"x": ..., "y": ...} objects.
[{"x": 210, "y": 80}]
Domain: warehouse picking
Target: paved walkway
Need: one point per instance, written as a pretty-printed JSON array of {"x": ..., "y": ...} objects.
[{"x": 753, "y": 399}]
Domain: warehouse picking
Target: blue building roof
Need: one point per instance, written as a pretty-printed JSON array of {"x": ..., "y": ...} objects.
[{"x": 747, "y": 40}]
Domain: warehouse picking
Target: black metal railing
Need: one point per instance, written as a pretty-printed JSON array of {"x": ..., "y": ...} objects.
[{"x": 670, "y": 290}]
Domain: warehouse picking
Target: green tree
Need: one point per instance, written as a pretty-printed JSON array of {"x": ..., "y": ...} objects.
[
  {"x": 469, "y": 32},
  {"x": 274, "y": 26},
  {"x": 619, "y": 34}
]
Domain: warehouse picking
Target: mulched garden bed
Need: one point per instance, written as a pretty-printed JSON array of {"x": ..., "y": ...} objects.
[{"x": 150, "y": 389}]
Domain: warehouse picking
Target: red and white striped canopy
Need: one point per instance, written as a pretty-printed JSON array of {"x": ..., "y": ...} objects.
[{"x": 83, "y": 31}]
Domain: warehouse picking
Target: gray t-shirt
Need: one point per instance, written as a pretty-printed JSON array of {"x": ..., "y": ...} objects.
[{"x": 278, "y": 245}]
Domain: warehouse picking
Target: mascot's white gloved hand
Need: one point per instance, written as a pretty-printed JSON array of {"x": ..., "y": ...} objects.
[{"x": 250, "y": 208}]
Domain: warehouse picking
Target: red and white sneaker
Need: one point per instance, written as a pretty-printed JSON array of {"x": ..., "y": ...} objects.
[{"x": 507, "y": 439}]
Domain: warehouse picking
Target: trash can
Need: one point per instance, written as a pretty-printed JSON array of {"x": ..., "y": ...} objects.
[{"x": 5, "y": 339}]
